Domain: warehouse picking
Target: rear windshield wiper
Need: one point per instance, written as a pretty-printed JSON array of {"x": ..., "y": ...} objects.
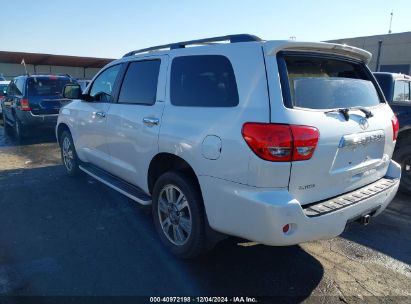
[
  {"x": 367, "y": 112},
  {"x": 345, "y": 112}
]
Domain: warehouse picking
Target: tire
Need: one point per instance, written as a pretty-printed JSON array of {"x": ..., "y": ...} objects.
[
  {"x": 185, "y": 239},
  {"x": 6, "y": 126},
  {"x": 69, "y": 156},
  {"x": 3, "y": 119},
  {"x": 18, "y": 129},
  {"x": 402, "y": 155}
]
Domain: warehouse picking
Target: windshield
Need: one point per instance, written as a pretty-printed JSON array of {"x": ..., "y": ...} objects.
[
  {"x": 47, "y": 86},
  {"x": 323, "y": 83}
]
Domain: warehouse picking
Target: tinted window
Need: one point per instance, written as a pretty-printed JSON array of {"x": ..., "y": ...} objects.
[
  {"x": 203, "y": 81},
  {"x": 19, "y": 86},
  {"x": 102, "y": 86},
  {"x": 46, "y": 86},
  {"x": 401, "y": 91},
  {"x": 385, "y": 81},
  {"x": 324, "y": 83},
  {"x": 12, "y": 89},
  {"x": 140, "y": 83}
]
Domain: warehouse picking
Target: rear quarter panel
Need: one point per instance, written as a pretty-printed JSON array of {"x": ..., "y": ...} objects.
[{"x": 184, "y": 129}]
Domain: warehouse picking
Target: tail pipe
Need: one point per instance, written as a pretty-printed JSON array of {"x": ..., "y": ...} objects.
[{"x": 364, "y": 220}]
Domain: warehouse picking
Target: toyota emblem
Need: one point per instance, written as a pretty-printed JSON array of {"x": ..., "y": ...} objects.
[{"x": 364, "y": 123}]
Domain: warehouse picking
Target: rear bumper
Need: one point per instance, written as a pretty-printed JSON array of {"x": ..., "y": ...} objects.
[
  {"x": 29, "y": 119},
  {"x": 259, "y": 215}
]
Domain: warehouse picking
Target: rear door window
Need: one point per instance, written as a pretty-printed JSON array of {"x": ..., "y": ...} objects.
[
  {"x": 140, "y": 83},
  {"x": 315, "y": 82},
  {"x": 203, "y": 81}
]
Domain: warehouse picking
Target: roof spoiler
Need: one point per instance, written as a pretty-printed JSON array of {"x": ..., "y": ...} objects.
[{"x": 341, "y": 49}]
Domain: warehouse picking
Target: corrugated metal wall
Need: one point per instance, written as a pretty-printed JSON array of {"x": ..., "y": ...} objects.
[
  {"x": 395, "y": 55},
  {"x": 10, "y": 70}
]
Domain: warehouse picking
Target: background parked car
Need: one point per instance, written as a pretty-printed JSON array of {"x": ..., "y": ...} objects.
[
  {"x": 396, "y": 88},
  {"x": 33, "y": 101},
  {"x": 3, "y": 89}
]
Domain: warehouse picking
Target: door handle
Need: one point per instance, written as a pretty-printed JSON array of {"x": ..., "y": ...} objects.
[
  {"x": 150, "y": 121},
  {"x": 101, "y": 114}
]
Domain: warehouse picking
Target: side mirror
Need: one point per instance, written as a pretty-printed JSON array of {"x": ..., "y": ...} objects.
[{"x": 72, "y": 91}]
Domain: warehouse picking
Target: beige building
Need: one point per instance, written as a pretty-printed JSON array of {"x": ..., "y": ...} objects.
[
  {"x": 77, "y": 67},
  {"x": 390, "y": 52}
]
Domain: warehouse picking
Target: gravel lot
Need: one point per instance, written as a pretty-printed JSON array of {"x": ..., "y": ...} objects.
[{"x": 65, "y": 236}]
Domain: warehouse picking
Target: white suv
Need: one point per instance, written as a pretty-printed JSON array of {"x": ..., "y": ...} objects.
[{"x": 278, "y": 142}]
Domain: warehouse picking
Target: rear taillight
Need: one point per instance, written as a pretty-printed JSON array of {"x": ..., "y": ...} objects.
[
  {"x": 281, "y": 143},
  {"x": 395, "y": 127},
  {"x": 269, "y": 141},
  {"x": 305, "y": 141},
  {"x": 24, "y": 104}
]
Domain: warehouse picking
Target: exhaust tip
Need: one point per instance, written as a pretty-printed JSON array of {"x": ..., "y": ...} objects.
[{"x": 365, "y": 220}]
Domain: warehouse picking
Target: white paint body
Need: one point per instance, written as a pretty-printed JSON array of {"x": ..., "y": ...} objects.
[{"x": 243, "y": 195}]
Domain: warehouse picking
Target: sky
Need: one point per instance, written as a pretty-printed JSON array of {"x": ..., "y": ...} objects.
[{"x": 111, "y": 28}]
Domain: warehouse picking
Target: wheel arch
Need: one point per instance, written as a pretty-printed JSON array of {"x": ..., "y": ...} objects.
[
  {"x": 60, "y": 129},
  {"x": 164, "y": 162}
]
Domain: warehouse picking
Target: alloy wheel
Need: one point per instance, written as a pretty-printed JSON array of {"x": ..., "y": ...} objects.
[
  {"x": 68, "y": 156},
  {"x": 175, "y": 215}
]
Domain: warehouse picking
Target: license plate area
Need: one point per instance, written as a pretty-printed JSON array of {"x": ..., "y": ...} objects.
[{"x": 361, "y": 148}]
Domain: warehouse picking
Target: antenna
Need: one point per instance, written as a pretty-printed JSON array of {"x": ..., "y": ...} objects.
[{"x": 389, "y": 30}]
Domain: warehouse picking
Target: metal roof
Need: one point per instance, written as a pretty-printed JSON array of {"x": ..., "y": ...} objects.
[{"x": 55, "y": 60}]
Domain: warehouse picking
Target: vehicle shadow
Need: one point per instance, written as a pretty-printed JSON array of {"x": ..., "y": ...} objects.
[
  {"x": 34, "y": 137},
  {"x": 388, "y": 233},
  {"x": 256, "y": 271},
  {"x": 75, "y": 236}
]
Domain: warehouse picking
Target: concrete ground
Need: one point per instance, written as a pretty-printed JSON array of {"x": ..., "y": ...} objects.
[{"x": 75, "y": 236}]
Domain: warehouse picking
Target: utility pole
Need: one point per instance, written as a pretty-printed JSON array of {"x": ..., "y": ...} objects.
[{"x": 389, "y": 30}]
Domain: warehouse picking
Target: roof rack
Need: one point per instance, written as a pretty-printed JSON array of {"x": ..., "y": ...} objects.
[
  {"x": 179, "y": 45},
  {"x": 49, "y": 74}
]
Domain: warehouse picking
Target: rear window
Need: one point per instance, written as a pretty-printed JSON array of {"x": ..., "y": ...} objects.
[
  {"x": 203, "y": 81},
  {"x": 51, "y": 86},
  {"x": 326, "y": 83}
]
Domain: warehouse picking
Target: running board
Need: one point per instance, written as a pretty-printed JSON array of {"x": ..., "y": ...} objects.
[{"x": 131, "y": 191}]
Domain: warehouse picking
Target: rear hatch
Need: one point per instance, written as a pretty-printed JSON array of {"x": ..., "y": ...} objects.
[
  {"x": 339, "y": 96},
  {"x": 45, "y": 94}
]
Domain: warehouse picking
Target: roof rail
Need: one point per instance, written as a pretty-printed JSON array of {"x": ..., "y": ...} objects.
[
  {"x": 49, "y": 74},
  {"x": 179, "y": 45}
]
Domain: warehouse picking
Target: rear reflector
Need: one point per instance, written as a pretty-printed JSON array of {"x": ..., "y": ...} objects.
[
  {"x": 24, "y": 104},
  {"x": 395, "y": 127},
  {"x": 281, "y": 143}
]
